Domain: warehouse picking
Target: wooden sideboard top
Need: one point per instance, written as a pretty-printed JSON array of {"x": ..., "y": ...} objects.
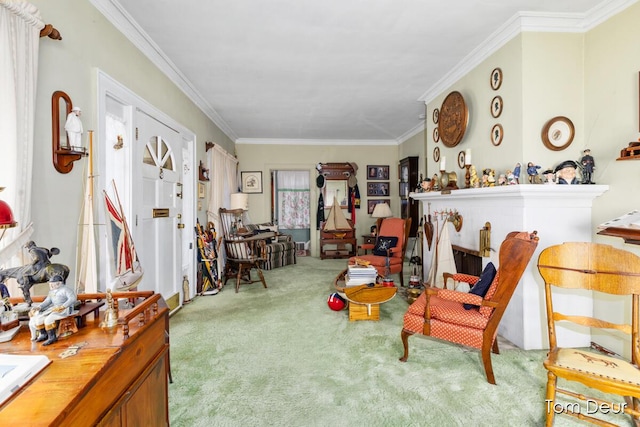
[{"x": 80, "y": 389}]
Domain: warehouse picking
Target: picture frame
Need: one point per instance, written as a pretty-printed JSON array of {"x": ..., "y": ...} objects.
[
  {"x": 557, "y": 133},
  {"x": 371, "y": 204},
  {"x": 435, "y": 116},
  {"x": 377, "y": 189},
  {"x": 436, "y": 134},
  {"x": 201, "y": 190},
  {"x": 251, "y": 182},
  {"x": 496, "y": 106},
  {"x": 378, "y": 172},
  {"x": 496, "y": 78},
  {"x": 497, "y": 133},
  {"x": 461, "y": 159},
  {"x": 436, "y": 154}
]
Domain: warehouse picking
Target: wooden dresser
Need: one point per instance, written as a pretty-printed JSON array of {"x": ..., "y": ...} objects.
[
  {"x": 113, "y": 380},
  {"x": 338, "y": 243}
]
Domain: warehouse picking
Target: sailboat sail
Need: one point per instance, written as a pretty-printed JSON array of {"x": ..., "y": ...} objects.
[
  {"x": 128, "y": 271},
  {"x": 87, "y": 276},
  {"x": 336, "y": 219}
]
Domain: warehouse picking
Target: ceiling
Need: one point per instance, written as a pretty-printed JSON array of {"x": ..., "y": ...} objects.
[{"x": 332, "y": 70}]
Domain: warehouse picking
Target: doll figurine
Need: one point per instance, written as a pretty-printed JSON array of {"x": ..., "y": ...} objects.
[
  {"x": 588, "y": 166},
  {"x": 532, "y": 171}
]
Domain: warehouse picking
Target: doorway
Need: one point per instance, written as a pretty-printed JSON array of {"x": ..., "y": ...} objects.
[{"x": 291, "y": 206}]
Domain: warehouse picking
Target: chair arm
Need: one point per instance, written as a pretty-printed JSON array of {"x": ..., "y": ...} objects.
[
  {"x": 460, "y": 277},
  {"x": 461, "y": 297},
  {"x": 284, "y": 237}
]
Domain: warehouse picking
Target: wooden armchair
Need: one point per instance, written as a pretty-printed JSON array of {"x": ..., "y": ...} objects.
[
  {"x": 390, "y": 227},
  {"x": 602, "y": 268},
  {"x": 440, "y": 313},
  {"x": 243, "y": 249}
]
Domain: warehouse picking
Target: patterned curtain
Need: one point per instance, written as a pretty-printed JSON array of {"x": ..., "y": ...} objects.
[{"x": 293, "y": 199}]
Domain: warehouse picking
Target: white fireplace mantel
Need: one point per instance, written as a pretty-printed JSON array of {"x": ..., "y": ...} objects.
[{"x": 559, "y": 213}]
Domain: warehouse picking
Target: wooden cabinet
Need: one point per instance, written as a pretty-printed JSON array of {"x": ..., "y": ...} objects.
[
  {"x": 408, "y": 176},
  {"x": 115, "y": 379},
  {"x": 337, "y": 243}
]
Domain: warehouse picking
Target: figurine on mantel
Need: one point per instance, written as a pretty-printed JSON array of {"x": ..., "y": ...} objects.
[
  {"x": 588, "y": 166},
  {"x": 474, "y": 181},
  {"x": 516, "y": 173},
  {"x": 532, "y": 171},
  {"x": 511, "y": 178},
  {"x": 549, "y": 176},
  {"x": 566, "y": 172}
]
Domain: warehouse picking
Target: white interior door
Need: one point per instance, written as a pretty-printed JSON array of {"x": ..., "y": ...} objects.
[{"x": 158, "y": 175}]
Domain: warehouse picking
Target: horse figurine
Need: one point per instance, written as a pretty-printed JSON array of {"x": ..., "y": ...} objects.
[{"x": 39, "y": 271}]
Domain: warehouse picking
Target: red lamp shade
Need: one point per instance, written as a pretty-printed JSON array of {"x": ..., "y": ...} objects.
[{"x": 6, "y": 216}]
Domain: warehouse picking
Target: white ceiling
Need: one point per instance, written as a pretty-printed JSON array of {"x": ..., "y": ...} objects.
[{"x": 341, "y": 70}]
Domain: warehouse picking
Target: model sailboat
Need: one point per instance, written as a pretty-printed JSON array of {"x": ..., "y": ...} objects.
[
  {"x": 336, "y": 221},
  {"x": 86, "y": 258},
  {"x": 128, "y": 271}
]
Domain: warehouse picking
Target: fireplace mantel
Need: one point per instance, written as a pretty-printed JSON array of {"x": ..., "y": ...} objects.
[{"x": 559, "y": 213}]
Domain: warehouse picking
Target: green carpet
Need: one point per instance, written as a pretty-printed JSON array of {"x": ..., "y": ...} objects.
[{"x": 281, "y": 357}]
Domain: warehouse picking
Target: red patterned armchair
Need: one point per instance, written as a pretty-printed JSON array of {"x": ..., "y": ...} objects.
[
  {"x": 441, "y": 313},
  {"x": 398, "y": 229}
]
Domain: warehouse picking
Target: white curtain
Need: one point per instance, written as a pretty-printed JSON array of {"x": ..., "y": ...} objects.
[
  {"x": 293, "y": 199},
  {"x": 223, "y": 177},
  {"x": 20, "y": 26}
]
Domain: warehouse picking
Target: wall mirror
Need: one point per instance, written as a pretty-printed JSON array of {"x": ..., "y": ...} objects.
[
  {"x": 337, "y": 189},
  {"x": 336, "y": 183}
]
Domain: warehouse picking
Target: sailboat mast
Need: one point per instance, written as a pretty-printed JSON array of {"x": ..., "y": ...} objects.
[{"x": 130, "y": 248}]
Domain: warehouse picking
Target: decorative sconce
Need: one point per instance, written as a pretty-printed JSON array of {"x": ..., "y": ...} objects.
[
  {"x": 485, "y": 240},
  {"x": 63, "y": 154}
]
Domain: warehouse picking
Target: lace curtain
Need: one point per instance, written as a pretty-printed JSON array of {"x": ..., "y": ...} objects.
[
  {"x": 293, "y": 199},
  {"x": 20, "y": 26}
]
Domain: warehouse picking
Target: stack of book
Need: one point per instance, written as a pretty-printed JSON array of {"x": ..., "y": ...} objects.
[{"x": 359, "y": 275}]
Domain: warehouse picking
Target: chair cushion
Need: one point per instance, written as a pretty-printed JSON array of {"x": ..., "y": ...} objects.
[
  {"x": 383, "y": 243},
  {"x": 482, "y": 286},
  {"x": 393, "y": 227}
]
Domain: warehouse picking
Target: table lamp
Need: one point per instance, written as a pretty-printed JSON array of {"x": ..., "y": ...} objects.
[
  {"x": 240, "y": 201},
  {"x": 382, "y": 210},
  {"x": 6, "y": 216}
]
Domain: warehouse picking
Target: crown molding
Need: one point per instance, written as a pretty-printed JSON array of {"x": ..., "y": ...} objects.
[
  {"x": 526, "y": 22},
  {"x": 119, "y": 18},
  {"x": 339, "y": 142}
]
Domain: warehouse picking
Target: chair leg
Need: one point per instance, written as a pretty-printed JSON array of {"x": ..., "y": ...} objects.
[
  {"x": 404, "y": 335},
  {"x": 239, "y": 276},
  {"x": 402, "y": 277},
  {"x": 551, "y": 398},
  {"x": 486, "y": 361},
  {"x": 264, "y": 283},
  {"x": 496, "y": 350}
]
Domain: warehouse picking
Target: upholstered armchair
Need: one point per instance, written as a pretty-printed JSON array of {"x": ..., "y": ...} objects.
[
  {"x": 468, "y": 318},
  {"x": 396, "y": 231},
  {"x": 277, "y": 252}
]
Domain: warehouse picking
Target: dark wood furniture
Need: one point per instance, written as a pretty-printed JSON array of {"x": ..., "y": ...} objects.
[
  {"x": 368, "y": 243},
  {"x": 338, "y": 244},
  {"x": 582, "y": 266},
  {"x": 629, "y": 235},
  {"x": 440, "y": 313},
  {"x": 409, "y": 208},
  {"x": 115, "y": 379}
]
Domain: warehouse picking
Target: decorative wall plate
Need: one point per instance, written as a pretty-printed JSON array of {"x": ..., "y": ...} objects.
[
  {"x": 461, "y": 157},
  {"x": 496, "y": 78},
  {"x": 496, "y": 107},
  {"x": 558, "y": 133},
  {"x": 454, "y": 117},
  {"x": 436, "y": 134},
  {"x": 497, "y": 133},
  {"x": 436, "y": 116},
  {"x": 436, "y": 154}
]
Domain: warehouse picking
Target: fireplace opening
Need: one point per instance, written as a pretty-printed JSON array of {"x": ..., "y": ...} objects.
[{"x": 467, "y": 261}]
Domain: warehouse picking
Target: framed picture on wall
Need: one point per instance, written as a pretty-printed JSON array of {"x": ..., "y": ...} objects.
[
  {"x": 251, "y": 181},
  {"x": 378, "y": 172},
  {"x": 377, "y": 189},
  {"x": 371, "y": 204},
  {"x": 201, "y": 190}
]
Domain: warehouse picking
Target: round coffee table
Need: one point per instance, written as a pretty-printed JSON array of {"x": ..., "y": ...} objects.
[{"x": 364, "y": 300}]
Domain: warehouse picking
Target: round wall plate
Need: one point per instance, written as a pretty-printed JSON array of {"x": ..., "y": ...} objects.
[
  {"x": 436, "y": 134},
  {"x": 461, "y": 158},
  {"x": 436, "y": 154},
  {"x": 497, "y": 133},
  {"x": 436, "y": 116},
  {"x": 454, "y": 117},
  {"x": 558, "y": 133},
  {"x": 496, "y": 106},
  {"x": 496, "y": 78}
]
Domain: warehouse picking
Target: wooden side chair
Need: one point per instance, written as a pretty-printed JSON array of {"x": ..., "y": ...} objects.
[
  {"x": 397, "y": 228},
  {"x": 441, "y": 313},
  {"x": 601, "y": 268},
  {"x": 243, "y": 249}
]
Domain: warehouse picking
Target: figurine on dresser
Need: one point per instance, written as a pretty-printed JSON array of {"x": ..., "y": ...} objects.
[{"x": 57, "y": 305}]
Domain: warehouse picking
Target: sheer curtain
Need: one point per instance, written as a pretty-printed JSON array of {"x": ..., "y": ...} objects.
[
  {"x": 293, "y": 199},
  {"x": 223, "y": 181},
  {"x": 20, "y": 26}
]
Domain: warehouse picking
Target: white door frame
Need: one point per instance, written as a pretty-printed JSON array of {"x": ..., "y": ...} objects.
[{"x": 117, "y": 165}]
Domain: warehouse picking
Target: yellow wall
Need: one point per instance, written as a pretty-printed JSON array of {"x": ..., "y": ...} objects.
[{"x": 89, "y": 42}]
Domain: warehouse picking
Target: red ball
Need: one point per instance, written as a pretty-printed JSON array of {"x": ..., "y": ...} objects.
[{"x": 336, "y": 302}]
